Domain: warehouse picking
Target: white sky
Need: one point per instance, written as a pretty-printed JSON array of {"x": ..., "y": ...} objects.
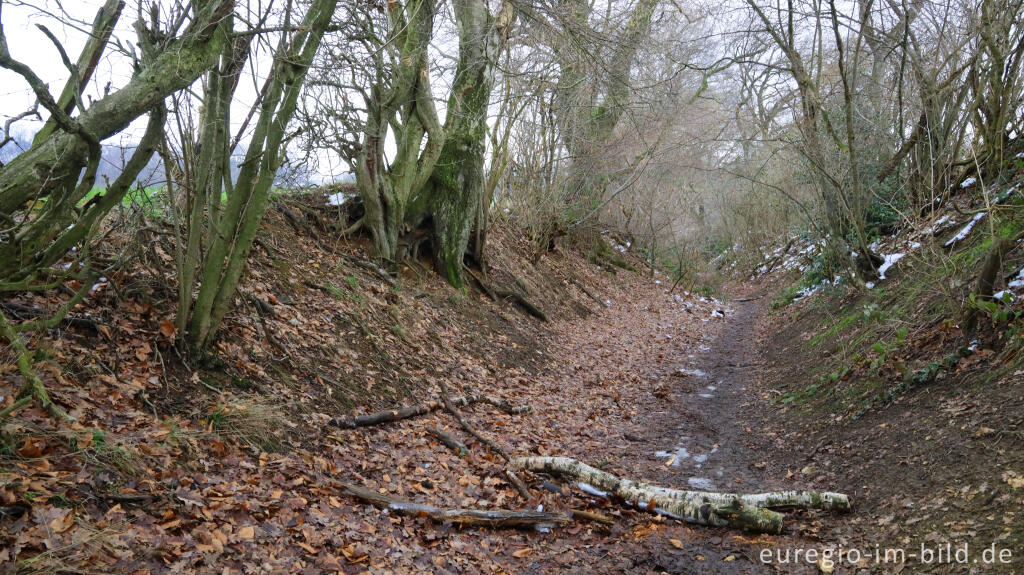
[{"x": 29, "y": 45}]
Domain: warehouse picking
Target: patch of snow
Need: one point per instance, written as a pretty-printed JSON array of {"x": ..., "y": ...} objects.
[
  {"x": 705, "y": 395},
  {"x": 938, "y": 224},
  {"x": 1017, "y": 281},
  {"x": 694, "y": 372},
  {"x": 1004, "y": 294},
  {"x": 968, "y": 182},
  {"x": 701, "y": 483},
  {"x": 717, "y": 313},
  {"x": 966, "y": 230},
  {"x": 870, "y": 285},
  {"x": 337, "y": 199},
  {"x": 588, "y": 488},
  {"x": 890, "y": 260},
  {"x": 678, "y": 455}
]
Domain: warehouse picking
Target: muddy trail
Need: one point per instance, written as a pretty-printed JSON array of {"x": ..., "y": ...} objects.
[
  {"x": 709, "y": 437},
  {"x": 694, "y": 425}
]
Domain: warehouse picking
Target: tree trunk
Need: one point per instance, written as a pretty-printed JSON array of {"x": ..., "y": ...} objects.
[
  {"x": 458, "y": 182},
  {"x": 237, "y": 225}
]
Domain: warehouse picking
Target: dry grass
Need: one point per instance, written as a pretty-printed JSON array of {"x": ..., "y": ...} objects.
[{"x": 256, "y": 422}]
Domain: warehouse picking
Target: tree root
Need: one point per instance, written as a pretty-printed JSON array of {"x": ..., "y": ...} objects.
[
  {"x": 488, "y": 518},
  {"x": 583, "y": 288},
  {"x": 747, "y": 512},
  {"x": 23, "y": 311},
  {"x": 496, "y": 294}
]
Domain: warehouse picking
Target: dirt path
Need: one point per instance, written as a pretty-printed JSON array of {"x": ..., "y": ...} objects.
[{"x": 668, "y": 395}]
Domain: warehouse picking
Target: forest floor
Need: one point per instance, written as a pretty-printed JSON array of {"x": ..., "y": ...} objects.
[{"x": 234, "y": 467}]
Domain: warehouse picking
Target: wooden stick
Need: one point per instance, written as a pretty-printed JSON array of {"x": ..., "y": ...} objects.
[
  {"x": 424, "y": 408},
  {"x": 590, "y": 516},
  {"x": 519, "y": 484},
  {"x": 403, "y": 413},
  {"x": 449, "y": 441},
  {"x": 488, "y": 518}
]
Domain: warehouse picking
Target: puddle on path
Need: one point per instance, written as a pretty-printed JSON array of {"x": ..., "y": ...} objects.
[
  {"x": 693, "y": 371},
  {"x": 701, "y": 483}
]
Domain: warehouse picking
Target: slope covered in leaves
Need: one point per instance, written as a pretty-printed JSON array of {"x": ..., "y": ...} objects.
[{"x": 231, "y": 463}]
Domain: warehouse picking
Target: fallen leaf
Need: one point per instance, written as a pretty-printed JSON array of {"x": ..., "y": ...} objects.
[
  {"x": 61, "y": 523},
  {"x": 167, "y": 328},
  {"x": 522, "y": 552}
]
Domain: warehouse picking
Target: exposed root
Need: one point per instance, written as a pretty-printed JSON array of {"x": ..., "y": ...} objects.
[{"x": 523, "y": 302}]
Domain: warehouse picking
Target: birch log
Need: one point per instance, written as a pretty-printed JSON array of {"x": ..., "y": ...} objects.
[{"x": 747, "y": 512}]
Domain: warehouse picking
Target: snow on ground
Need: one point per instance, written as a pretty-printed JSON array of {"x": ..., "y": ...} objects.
[
  {"x": 338, "y": 198},
  {"x": 938, "y": 225},
  {"x": 890, "y": 260},
  {"x": 966, "y": 230},
  {"x": 1003, "y": 295},
  {"x": 1017, "y": 281}
]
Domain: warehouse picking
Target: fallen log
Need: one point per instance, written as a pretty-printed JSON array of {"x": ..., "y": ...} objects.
[
  {"x": 747, "y": 512},
  {"x": 421, "y": 409},
  {"x": 489, "y": 518}
]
